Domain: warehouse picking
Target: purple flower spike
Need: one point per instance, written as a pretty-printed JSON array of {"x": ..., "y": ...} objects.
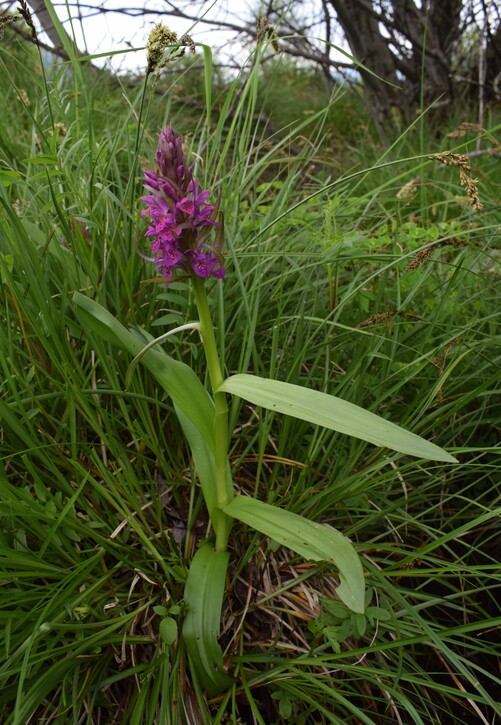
[{"x": 180, "y": 217}]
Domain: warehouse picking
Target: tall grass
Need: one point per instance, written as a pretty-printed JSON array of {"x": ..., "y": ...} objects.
[{"x": 100, "y": 510}]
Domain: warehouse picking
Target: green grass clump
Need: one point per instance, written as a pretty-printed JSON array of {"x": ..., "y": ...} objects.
[{"x": 336, "y": 280}]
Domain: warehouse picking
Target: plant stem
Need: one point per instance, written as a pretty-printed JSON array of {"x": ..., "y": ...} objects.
[{"x": 224, "y": 491}]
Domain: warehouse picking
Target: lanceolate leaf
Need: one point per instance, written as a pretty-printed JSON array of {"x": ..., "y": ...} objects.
[
  {"x": 205, "y": 466},
  {"x": 331, "y": 412},
  {"x": 193, "y": 404},
  {"x": 203, "y": 596},
  {"x": 177, "y": 379},
  {"x": 311, "y": 540}
]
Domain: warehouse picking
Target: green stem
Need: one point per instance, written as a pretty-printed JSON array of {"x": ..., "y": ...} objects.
[{"x": 224, "y": 491}]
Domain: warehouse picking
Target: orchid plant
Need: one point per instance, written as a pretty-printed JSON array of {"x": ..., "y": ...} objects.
[{"x": 186, "y": 242}]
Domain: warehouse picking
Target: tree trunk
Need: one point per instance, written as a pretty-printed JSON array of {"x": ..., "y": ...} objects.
[
  {"x": 493, "y": 65},
  {"x": 43, "y": 17},
  {"x": 414, "y": 52},
  {"x": 361, "y": 28}
]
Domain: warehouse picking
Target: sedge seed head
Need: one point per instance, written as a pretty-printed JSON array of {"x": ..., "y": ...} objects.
[{"x": 160, "y": 38}]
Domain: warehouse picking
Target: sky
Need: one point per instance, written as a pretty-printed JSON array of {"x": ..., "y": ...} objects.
[{"x": 116, "y": 33}]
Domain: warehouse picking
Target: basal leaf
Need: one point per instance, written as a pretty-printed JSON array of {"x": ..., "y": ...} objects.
[
  {"x": 309, "y": 539},
  {"x": 193, "y": 404},
  {"x": 203, "y": 596},
  {"x": 178, "y": 380}
]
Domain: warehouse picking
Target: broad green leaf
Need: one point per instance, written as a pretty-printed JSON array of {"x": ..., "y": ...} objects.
[
  {"x": 205, "y": 466},
  {"x": 192, "y": 403},
  {"x": 331, "y": 412},
  {"x": 8, "y": 177},
  {"x": 311, "y": 540},
  {"x": 168, "y": 630},
  {"x": 203, "y": 458},
  {"x": 203, "y": 596},
  {"x": 177, "y": 379}
]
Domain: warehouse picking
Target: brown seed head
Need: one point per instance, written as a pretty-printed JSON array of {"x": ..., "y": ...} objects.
[{"x": 461, "y": 162}]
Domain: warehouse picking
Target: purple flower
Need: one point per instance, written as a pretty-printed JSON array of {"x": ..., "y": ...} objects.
[
  {"x": 180, "y": 217},
  {"x": 205, "y": 264}
]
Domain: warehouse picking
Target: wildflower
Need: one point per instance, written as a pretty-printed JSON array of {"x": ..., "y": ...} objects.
[{"x": 180, "y": 217}]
